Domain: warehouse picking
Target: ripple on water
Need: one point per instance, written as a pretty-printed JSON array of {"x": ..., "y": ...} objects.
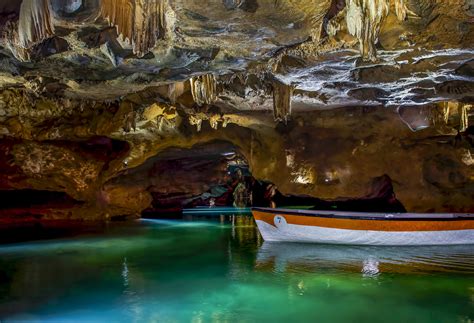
[
  {"x": 368, "y": 260},
  {"x": 179, "y": 271}
]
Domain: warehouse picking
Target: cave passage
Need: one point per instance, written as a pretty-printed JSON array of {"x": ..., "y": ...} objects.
[
  {"x": 237, "y": 161},
  {"x": 210, "y": 175},
  {"x": 216, "y": 174}
]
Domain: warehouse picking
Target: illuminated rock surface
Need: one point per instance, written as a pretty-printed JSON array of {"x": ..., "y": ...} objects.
[{"x": 318, "y": 97}]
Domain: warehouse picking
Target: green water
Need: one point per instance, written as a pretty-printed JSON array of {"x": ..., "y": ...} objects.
[{"x": 212, "y": 271}]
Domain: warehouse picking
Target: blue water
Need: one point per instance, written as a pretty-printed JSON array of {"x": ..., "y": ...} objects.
[{"x": 221, "y": 271}]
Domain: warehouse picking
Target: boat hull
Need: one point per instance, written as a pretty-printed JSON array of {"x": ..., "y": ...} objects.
[{"x": 363, "y": 229}]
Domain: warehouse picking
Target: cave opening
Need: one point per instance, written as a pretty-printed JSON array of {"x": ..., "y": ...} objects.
[
  {"x": 214, "y": 175},
  {"x": 33, "y": 205},
  {"x": 31, "y": 199}
]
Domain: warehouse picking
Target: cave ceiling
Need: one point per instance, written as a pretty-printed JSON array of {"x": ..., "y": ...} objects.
[{"x": 330, "y": 53}]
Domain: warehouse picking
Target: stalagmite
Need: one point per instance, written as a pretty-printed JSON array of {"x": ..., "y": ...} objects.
[
  {"x": 204, "y": 89},
  {"x": 282, "y": 100},
  {"x": 141, "y": 22}
]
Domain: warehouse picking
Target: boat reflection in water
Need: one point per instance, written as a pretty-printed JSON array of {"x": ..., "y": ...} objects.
[{"x": 369, "y": 260}]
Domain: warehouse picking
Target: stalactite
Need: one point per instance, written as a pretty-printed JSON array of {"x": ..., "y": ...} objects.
[
  {"x": 10, "y": 35},
  {"x": 141, "y": 22},
  {"x": 282, "y": 94},
  {"x": 225, "y": 121},
  {"x": 195, "y": 121},
  {"x": 332, "y": 20},
  {"x": 463, "y": 110},
  {"x": 34, "y": 25},
  {"x": 204, "y": 89},
  {"x": 364, "y": 19},
  {"x": 457, "y": 111},
  {"x": 175, "y": 90},
  {"x": 401, "y": 9},
  {"x": 214, "y": 121},
  {"x": 446, "y": 111}
]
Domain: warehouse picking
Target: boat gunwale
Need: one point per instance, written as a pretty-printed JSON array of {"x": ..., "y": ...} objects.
[{"x": 370, "y": 216}]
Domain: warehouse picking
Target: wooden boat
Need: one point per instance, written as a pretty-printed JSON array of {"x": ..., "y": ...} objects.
[{"x": 353, "y": 228}]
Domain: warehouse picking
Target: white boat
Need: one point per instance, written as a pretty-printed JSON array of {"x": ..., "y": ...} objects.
[{"x": 354, "y": 228}]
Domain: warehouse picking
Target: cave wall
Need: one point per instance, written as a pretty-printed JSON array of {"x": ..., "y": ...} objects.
[{"x": 328, "y": 154}]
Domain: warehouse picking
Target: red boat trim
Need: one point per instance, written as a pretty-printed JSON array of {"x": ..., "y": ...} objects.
[
  {"x": 365, "y": 223},
  {"x": 372, "y": 216}
]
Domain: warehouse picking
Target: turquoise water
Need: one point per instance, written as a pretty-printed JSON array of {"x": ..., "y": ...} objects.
[{"x": 221, "y": 271}]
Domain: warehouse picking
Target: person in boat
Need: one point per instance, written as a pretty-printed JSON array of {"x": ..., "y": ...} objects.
[
  {"x": 240, "y": 192},
  {"x": 240, "y": 196},
  {"x": 270, "y": 194}
]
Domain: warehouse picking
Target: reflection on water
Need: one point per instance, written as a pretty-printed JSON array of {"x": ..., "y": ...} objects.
[
  {"x": 220, "y": 270},
  {"x": 367, "y": 260}
]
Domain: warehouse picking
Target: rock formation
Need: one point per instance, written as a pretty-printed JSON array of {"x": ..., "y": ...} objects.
[
  {"x": 34, "y": 25},
  {"x": 282, "y": 94},
  {"x": 203, "y": 89},
  {"x": 141, "y": 22}
]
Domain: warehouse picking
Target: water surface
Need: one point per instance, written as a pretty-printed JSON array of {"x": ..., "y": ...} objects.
[{"x": 221, "y": 271}]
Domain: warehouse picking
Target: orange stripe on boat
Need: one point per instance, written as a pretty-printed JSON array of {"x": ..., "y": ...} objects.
[{"x": 370, "y": 225}]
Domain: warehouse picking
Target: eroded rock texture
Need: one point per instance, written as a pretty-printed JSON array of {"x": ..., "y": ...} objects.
[{"x": 110, "y": 108}]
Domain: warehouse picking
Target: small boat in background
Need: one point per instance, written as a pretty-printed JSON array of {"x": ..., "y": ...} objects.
[
  {"x": 210, "y": 210},
  {"x": 354, "y": 228}
]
